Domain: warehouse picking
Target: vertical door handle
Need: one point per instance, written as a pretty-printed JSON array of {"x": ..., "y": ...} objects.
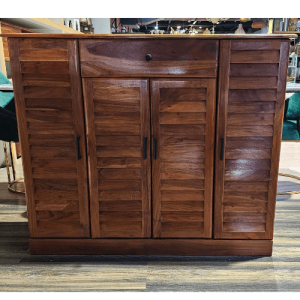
[
  {"x": 155, "y": 148},
  {"x": 78, "y": 147},
  {"x": 145, "y": 147},
  {"x": 222, "y": 149}
]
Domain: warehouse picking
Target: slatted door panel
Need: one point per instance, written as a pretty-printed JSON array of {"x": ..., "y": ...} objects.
[
  {"x": 118, "y": 139},
  {"x": 50, "y": 116},
  {"x": 250, "y": 111},
  {"x": 183, "y": 116}
]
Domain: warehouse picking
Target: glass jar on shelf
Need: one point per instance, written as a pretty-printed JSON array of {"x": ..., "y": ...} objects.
[{"x": 292, "y": 68}]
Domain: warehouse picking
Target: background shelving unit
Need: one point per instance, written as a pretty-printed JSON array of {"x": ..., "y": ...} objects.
[{"x": 292, "y": 68}]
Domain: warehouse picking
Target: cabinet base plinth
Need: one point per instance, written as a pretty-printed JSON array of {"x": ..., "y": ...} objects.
[{"x": 150, "y": 247}]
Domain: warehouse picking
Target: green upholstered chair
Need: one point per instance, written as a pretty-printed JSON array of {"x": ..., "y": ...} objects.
[
  {"x": 291, "y": 122},
  {"x": 9, "y": 133},
  {"x": 291, "y": 128},
  {"x": 8, "y": 121},
  {"x": 6, "y": 98}
]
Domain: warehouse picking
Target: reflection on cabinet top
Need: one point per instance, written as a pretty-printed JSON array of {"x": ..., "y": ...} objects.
[{"x": 154, "y": 36}]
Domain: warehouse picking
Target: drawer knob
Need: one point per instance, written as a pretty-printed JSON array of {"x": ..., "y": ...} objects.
[{"x": 148, "y": 57}]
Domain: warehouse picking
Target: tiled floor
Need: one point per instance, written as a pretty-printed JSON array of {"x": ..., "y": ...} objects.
[{"x": 19, "y": 271}]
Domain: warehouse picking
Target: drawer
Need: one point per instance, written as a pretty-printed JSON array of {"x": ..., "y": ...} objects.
[{"x": 171, "y": 57}]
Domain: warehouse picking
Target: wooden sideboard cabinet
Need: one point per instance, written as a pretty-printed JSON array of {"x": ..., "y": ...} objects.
[{"x": 150, "y": 144}]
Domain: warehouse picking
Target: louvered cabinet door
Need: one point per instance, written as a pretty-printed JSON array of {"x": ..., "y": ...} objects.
[
  {"x": 118, "y": 140},
  {"x": 250, "y": 111},
  {"x": 183, "y": 117},
  {"x": 49, "y": 109}
]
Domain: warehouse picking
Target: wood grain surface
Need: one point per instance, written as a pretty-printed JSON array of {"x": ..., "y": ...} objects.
[
  {"x": 123, "y": 57},
  {"x": 150, "y": 247},
  {"x": 155, "y": 36},
  {"x": 118, "y": 121},
  {"x": 7, "y": 28},
  {"x": 250, "y": 111},
  {"x": 121, "y": 151},
  {"x": 182, "y": 173},
  {"x": 50, "y": 118},
  {"x": 21, "y": 271},
  {"x": 278, "y": 120}
]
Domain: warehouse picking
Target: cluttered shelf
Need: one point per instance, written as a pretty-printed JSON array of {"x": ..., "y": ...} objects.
[{"x": 287, "y": 32}]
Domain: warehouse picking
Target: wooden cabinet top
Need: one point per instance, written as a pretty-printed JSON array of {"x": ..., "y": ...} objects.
[{"x": 151, "y": 36}]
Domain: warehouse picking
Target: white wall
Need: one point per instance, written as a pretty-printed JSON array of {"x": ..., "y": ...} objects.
[{"x": 101, "y": 25}]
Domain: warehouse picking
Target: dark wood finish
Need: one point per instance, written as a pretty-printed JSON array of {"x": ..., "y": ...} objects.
[
  {"x": 23, "y": 135},
  {"x": 119, "y": 175},
  {"x": 185, "y": 143},
  {"x": 253, "y": 70},
  {"x": 123, "y": 57},
  {"x": 156, "y": 36},
  {"x": 246, "y": 45},
  {"x": 278, "y": 118},
  {"x": 150, "y": 247},
  {"x": 250, "y": 111},
  {"x": 251, "y": 74},
  {"x": 254, "y": 56},
  {"x": 50, "y": 117},
  {"x": 225, "y": 48},
  {"x": 7, "y": 28}
]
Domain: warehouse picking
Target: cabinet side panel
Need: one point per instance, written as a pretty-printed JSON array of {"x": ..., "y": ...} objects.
[
  {"x": 276, "y": 146},
  {"x": 14, "y": 46},
  {"x": 50, "y": 120},
  {"x": 245, "y": 199}
]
